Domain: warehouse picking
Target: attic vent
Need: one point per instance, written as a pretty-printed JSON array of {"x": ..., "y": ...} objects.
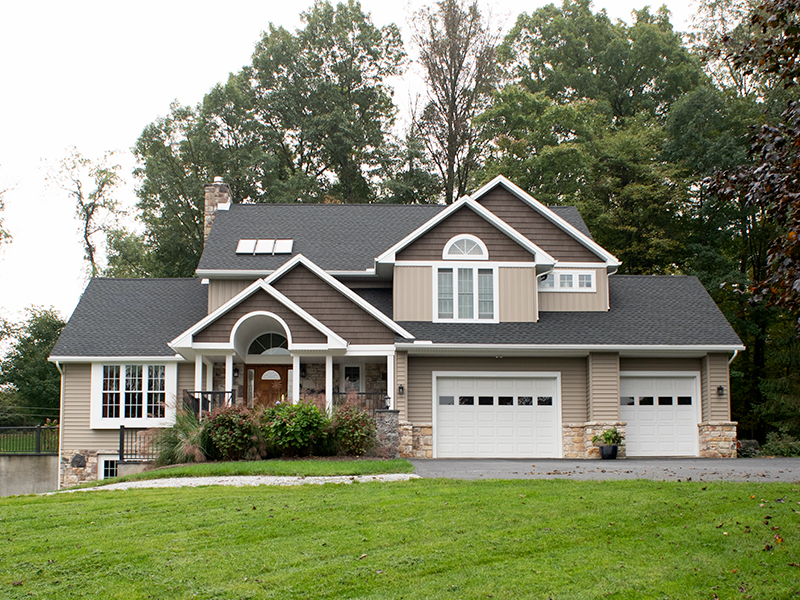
[{"x": 264, "y": 246}]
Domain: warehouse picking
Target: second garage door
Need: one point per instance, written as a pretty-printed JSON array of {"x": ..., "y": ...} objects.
[{"x": 501, "y": 417}]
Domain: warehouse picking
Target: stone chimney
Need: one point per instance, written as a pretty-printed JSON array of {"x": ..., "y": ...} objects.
[{"x": 218, "y": 197}]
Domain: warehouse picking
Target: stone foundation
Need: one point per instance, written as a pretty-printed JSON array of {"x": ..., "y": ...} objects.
[
  {"x": 576, "y": 438},
  {"x": 78, "y": 466},
  {"x": 388, "y": 423},
  {"x": 416, "y": 440},
  {"x": 717, "y": 439}
]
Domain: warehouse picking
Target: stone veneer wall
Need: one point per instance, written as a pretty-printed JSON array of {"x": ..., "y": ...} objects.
[
  {"x": 717, "y": 439},
  {"x": 416, "y": 440},
  {"x": 576, "y": 438},
  {"x": 78, "y": 466},
  {"x": 388, "y": 424}
]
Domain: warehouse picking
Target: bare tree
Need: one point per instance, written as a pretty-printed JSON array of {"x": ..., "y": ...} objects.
[
  {"x": 96, "y": 208},
  {"x": 5, "y": 236},
  {"x": 457, "y": 53}
]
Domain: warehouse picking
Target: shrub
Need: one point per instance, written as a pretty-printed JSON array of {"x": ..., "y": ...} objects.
[
  {"x": 781, "y": 444},
  {"x": 181, "y": 443},
  {"x": 295, "y": 429},
  {"x": 355, "y": 432},
  {"x": 234, "y": 433}
]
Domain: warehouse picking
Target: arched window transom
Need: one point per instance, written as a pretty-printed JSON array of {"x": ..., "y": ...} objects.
[
  {"x": 269, "y": 344},
  {"x": 465, "y": 247}
]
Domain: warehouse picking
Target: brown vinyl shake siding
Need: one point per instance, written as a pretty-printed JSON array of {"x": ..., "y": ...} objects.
[
  {"x": 464, "y": 221},
  {"x": 343, "y": 316},
  {"x": 420, "y": 383},
  {"x": 219, "y": 332},
  {"x": 542, "y": 232},
  {"x": 76, "y": 431}
]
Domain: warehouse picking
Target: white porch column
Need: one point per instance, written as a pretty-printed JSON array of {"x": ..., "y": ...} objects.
[
  {"x": 295, "y": 379},
  {"x": 329, "y": 383},
  {"x": 229, "y": 377},
  {"x": 390, "y": 391},
  {"x": 198, "y": 372},
  {"x": 209, "y": 375}
]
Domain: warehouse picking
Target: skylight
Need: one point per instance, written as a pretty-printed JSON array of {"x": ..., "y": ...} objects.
[
  {"x": 246, "y": 247},
  {"x": 270, "y": 246}
]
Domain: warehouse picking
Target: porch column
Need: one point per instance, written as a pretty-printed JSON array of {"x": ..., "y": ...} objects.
[
  {"x": 329, "y": 383},
  {"x": 295, "y": 379},
  {"x": 229, "y": 377},
  {"x": 209, "y": 375},
  {"x": 198, "y": 372},
  {"x": 390, "y": 391}
]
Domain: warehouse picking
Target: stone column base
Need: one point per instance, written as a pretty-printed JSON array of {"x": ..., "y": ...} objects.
[
  {"x": 388, "y": 424},
  {"x": 416, "y": 440},
  {"x": 576, "y": 438},
  {"x": 717, "y": 439}
]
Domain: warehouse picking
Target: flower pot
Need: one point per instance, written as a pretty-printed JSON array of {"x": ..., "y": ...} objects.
[{"x": 608, "y": 452}]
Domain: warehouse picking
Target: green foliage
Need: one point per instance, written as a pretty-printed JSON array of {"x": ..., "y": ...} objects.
[
  {"x": 181, "y": 443},
  {"x": 234, "y": 432},
  {"x": 780, "y": 444},
  {"x": 610, "y": 437},
  {"x": 295, "y": 429},
  {"x": 34, "y": 382},
  {"x": 354, "y": 430}
]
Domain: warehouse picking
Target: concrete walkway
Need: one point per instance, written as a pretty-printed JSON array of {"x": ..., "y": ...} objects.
[{"x": 658, "y": 469}]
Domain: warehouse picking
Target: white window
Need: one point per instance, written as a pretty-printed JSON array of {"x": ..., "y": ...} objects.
[
  {"x": 568, "y": 281},
  {"x": 465, "y": 293},
  {"x": 134, "y": 395},
  {"x": 352, "y": 381},
  {"x": 465, "y": 247}
]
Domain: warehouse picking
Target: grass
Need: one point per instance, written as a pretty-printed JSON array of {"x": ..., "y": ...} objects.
[
  {"x": 284, "y": 468},
  {"x": 436, "y": 539}
]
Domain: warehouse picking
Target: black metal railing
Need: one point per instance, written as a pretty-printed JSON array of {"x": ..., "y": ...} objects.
[
  {"x": 29, "y": 440},
  {"x": 137, "y": 445},
  {"x": 204, "y": 403},
  {"x": 369, "y": 401}
]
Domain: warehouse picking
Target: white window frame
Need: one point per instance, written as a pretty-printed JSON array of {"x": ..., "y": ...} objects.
[
  {"x": 101, "y": 459},
  {"x": 576, "y": 274},
  {"x": 475, "y": 267},
  {"x": 342, "y": 377},
  {"x": 97, "y": 421},
  {"x": 465, "y": 236}
]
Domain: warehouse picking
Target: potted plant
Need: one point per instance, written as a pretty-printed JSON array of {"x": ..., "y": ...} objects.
[{"x": 610, "y": 440}]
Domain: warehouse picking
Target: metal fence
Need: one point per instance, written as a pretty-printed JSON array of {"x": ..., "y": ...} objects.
[
  {"x": 137, "y": 445},
  {"x": 203, "y": 403},
  {"x": 29, "y": 440},
  {"x": 369, "y": 401}
]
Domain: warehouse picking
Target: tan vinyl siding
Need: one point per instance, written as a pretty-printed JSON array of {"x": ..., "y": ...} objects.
[
  {"x": 185, "y": 379},
  {"x": 431, "y": 244},
  {"x": 714, "y": 373},
  {"x": 413, "y": 293},
  {"x": 420, "y": 373},
  {"x": 401, "y": 378},
  {"x": 659, "y": 364},
  {"x": 542, "y": 232},
  {"x": 603, "y": 385},
  {"x": 76, "y": 432},
  {"x": 516, "y": 291},
  {"x": 333, "y": 309},
  {"x": 596, "y": 301},
  {"x": 219, "y": 331},
  {"x": 222, "y": 290}
]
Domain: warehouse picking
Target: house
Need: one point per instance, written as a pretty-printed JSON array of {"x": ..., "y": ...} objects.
[{"x": 495, "y": 326}]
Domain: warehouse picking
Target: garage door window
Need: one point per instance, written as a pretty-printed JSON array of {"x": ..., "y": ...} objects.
[
  {"x": 485, "y": 400},
  {"x": 544, "y": 401},
  {"x": 447, "y": 400},
  {"x": 466, "y": 400}
]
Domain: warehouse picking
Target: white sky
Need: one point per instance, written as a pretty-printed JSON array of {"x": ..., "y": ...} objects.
[{"x": 93, "y": 73}]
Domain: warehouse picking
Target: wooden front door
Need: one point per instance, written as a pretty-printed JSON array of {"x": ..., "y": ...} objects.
[{"x": 270, "y": 385}]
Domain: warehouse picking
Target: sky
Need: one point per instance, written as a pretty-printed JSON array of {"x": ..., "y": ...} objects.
[{"x": 91, "y": 74}]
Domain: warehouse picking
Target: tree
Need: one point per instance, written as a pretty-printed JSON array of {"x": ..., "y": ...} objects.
[
  {"x": 96, "y": 208},
  {"x": 457, "y": 54},
  {"x": 33, "y": 382},
  {"x": 5, "y": 236},
  {"x": 412, "y": 181}
]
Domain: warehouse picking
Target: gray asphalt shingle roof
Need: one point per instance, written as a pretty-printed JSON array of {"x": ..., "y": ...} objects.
[
  {"x": 336, "y": 237},
  {"x": 132, "y": 317},
  {"x": 645, "y": 310}
]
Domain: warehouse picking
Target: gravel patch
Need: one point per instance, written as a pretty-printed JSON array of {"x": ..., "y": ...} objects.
[{"x": 245, "y": 480}]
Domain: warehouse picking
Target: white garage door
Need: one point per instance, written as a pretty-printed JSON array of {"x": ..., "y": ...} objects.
[
  {"x": 662, "y": 414},
  {"x": 502, "y": 417}
]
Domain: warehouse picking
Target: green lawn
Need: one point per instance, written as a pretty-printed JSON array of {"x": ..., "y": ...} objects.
[{"x": 417, "y": 539}]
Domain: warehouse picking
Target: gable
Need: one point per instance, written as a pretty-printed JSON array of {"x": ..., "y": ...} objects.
[
  {"x": 219, "y": 331},
  {"x": 542, "y": 232},
  {"x": 331, "y": 308},
  {"x": 430, "y": 245}
]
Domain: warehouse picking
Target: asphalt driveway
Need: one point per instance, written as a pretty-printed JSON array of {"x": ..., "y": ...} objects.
[{"x": 658, "y": 469}]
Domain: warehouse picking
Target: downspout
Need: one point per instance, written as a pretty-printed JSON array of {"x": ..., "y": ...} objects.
[
  {"x": 60, "y": 424},
  {"x": 735, "y": 352}
]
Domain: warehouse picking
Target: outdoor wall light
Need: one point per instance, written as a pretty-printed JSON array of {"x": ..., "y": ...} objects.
[
  {"x": 388, "y": 401},
  {"x": 235, "y": 373},
  {"x": 401, "y": 390},
  {"x": 721, "y": 390}
]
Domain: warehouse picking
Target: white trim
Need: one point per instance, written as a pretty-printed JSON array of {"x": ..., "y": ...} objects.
[
  {"x": 454, "y": 266},
  {"x": 390, "y": 377},
  {"x": 329, "y": 383},
  {"x": 342, "y": 378},
  {"x": 465, "y": 236},
  {"x": 609, "y": 258},
  {"x": 428, "y": 345},
  {"x": 503, "y": 264},
  {"x": 117, "y": 359},
  {"x": 557, "y": 272},
  {"x": 370, "y": 350},
  {"x": 102, "y": 457},
  {"x": 261, "y": 313},
  {"x": 60, "y": 421},
  {"x": 295, "y": 383},
  {"x": 540, "y": 256},
  {"x": 498, "y": 375}
]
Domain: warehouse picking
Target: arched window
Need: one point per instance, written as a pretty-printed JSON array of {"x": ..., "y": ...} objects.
[
  {"x": 269, "y": 344},
  {"x": 465, "y": 247}
]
